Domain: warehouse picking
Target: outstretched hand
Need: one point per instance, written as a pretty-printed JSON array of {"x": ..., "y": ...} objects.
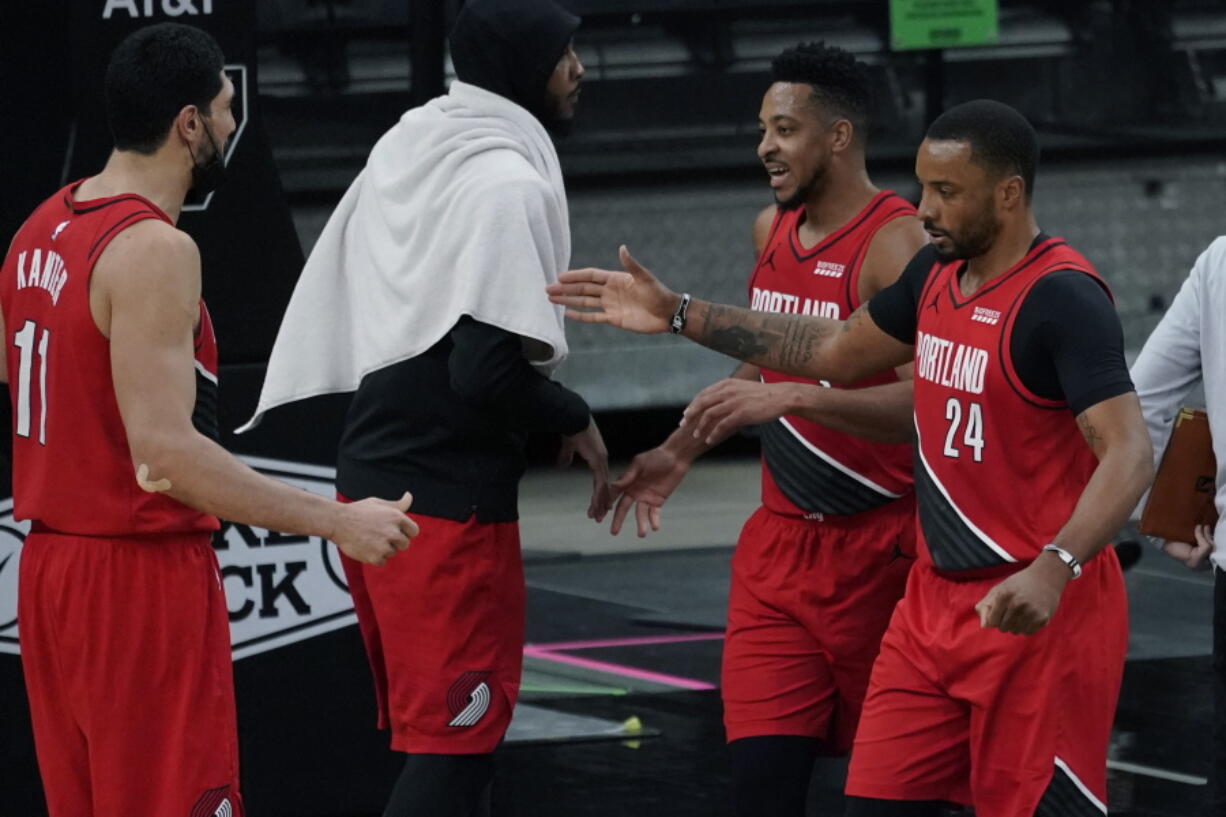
[
  {"x": 633, "y": 300},
  {"x": 646, "y": 486}
]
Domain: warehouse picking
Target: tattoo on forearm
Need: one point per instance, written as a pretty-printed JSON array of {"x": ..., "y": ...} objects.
[
  {"x": 724, "y": 334},
  {"x": 784, "y": 342},
  {"x": 1089, "y": 431},
  {"x": 736, "y": 342},
  {"x": 798, "y": 342}
]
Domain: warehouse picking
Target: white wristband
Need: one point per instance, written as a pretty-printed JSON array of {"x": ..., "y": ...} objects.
[{"x": 1066, "y": 557}]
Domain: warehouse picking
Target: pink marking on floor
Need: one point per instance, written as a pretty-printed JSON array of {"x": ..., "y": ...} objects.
[
  {"x": 598, "y": 643},
  {"x": 616, "y": 669}
]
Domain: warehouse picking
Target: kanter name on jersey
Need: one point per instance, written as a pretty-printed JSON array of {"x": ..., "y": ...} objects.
[{"x": 46, "y": 270}]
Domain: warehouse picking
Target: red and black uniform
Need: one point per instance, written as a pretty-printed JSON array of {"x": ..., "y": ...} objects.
[
  {"x": 124, "y": 632},
  {"x": 819, "y": 566},
  {"x": 1014, "y": 725},
  {"x": 443, "y": 622}
]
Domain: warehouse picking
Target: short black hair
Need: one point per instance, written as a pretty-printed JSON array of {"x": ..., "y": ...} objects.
[
  {"x": 839, "y": 81},
  {"x": 152, "y": 75},
  {"x": 1001, "y": 139}
]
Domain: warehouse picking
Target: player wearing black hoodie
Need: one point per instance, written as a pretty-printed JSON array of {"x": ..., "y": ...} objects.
[{"x": 444, "y": 630}]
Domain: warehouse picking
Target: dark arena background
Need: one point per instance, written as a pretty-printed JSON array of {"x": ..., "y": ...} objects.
[{"x": 620, "y": 712}]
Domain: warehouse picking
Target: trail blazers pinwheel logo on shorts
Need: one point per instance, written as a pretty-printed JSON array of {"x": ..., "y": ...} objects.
[
  {"x": 469, "y": 698},
  {"x": 214, "y": 803}
]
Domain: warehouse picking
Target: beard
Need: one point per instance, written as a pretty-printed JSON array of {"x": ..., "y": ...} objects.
[
  {"x": 559, "y": 122},
  {"x": 973, "y": 241},
  {"x": 803, "y": 191}
]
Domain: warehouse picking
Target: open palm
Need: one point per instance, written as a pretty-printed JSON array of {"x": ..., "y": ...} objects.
[{"x": 632, "y": 300}]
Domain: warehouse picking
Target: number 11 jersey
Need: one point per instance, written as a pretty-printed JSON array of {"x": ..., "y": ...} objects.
[{"x": 72, "y": 470}]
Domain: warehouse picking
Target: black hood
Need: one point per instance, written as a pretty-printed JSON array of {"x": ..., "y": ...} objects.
[{"x": 510, "y": 47}]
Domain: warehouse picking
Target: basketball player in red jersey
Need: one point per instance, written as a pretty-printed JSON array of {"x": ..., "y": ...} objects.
[
  {"x": 1031, "y": 453},
  {"x": 113, "y": 371},
  {"x": 819, "y": 567}
]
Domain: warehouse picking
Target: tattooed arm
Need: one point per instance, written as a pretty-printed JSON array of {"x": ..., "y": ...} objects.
[
  {"x": 817, "y": 348},
  {"x": 805, "y": 345}
]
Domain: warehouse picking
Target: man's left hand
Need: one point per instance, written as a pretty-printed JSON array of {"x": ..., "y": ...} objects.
[
  {"x": 1023, "y": 603},
  {"x": 1195, "y": 556},
  {"x": 590, "y": 447},
  {"x": 722, "y": 408}
]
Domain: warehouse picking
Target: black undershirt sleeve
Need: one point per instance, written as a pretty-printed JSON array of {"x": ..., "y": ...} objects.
[
  {"x": 895, "y": 309},
  {"x": 1068, "y": 344},
  {"x": 487, "y": 368}
]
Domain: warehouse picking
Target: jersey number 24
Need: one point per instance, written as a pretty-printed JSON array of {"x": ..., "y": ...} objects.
[{"x": 972, "y": 437}]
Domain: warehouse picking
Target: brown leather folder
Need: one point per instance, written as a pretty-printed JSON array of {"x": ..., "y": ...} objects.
[{"x": 1182, "y": 496}]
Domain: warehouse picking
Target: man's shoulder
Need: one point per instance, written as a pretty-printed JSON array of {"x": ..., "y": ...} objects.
[
  {"x": 149, "y": 249},
  {"x": 506, "y": 181},
  {"x": 504, "y": 169},
  {"x": 156, "y": 239},
  {"x": 1212, "y": 263}
]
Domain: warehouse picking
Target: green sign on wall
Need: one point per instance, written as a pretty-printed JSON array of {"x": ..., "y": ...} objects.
[{"x": 943, "y": 23}]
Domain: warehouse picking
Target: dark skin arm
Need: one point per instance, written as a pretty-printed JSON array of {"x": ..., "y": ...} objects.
[
  {"x": 804, "y": 345},
  {"x": 881, "y": 413},
  {"x": 1026, "y": 601}
]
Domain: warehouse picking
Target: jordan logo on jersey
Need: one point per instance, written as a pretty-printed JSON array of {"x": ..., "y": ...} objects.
[
  {"x": 829, "y": 269},
  {"x": 953, "y": 365},
  {"x": 770, "y": 259},
  {"x": 764, "y": 300},
  {"x": 44, "y": 271}
]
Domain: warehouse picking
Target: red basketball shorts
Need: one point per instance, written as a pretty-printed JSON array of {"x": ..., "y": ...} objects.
[
  {"x": 125, "y": 644},
  {"x": 1013, "y": 725},
  {"x": 443, "y": 623},
  {"x": 809, "y": 602}
]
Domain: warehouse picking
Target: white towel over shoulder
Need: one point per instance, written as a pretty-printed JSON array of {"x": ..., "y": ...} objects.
[{"x": 460, "y": 210}]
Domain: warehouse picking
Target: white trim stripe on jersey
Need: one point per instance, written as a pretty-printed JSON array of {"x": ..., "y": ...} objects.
[
  {"x": 478, "y": 703},
  {"x": 224, "y": 810},
  {"x": 860, "y": 478},
  {"x": 983, "y": 537},
  {"x": 1098, "y": 804},
  {"x": 209, "y": 376}
]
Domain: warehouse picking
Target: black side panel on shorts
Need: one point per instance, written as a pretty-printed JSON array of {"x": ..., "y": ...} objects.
[
  {"x": 810, "y": 482},
  {"x": 1064, "y": 798},
  {"x": 204, "y": 414},
  {"x": 952, "y": 543}
]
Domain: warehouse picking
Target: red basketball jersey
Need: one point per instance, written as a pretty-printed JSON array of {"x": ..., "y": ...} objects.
[
  {"x": 1000, "y": 468},
  {"x": 807, "y": 469},
  {"x": 72, "y": 470}
]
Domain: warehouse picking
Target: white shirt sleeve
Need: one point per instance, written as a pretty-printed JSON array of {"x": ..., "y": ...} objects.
[{"x": 1187, "y": 347}]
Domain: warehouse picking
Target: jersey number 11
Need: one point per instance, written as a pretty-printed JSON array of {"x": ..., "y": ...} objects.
[{"x": 24, "y": 340}]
